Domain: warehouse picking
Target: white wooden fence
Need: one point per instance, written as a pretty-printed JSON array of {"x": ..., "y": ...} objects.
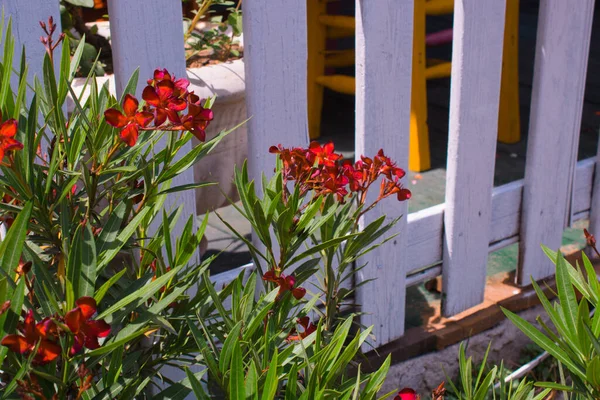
[{"x": 452, "y": 239}]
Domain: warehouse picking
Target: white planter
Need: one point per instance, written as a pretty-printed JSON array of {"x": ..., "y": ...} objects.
[{"x": 227, "y": 82}]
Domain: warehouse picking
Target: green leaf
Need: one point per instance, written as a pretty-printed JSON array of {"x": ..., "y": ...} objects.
[
  {"x": 110, "y": 230},
  {"x": 121, "y": 239},
  {"x": 237, "y": 389},
  {"x": 188, "y": 186},
  {"x": 141, "y": 295},
  {"x": 115, "y": 367},
  {"x": 252, "y": 382},
  {"x": 486, "y": 385},
  {"x": 593, "y": 371},
  {"x": 271, "y": 382},
  {"x": 12, "y": 245},
  {"x": 196, "y": 385},
  {"x": 228, "y": 347},
  {"x": 545, "y": 343},
  {"x": 107, "y": 285},
  {"x": 566, "y": 294},
  {"x": 87, "y": 281}
]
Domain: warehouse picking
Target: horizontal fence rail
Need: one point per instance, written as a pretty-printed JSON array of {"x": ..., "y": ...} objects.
[{"x": 452, "y": 239}]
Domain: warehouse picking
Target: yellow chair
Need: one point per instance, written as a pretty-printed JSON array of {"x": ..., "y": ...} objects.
[{"x": 322, "y": 26}]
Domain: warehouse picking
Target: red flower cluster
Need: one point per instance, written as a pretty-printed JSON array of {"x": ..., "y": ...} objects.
[
  {"x": 320, "y": 169},
  {"x": 166, "y": 97},
  {"x": 285, "y": 283},
  {"x": 85, "y": 330},
  {"x": 44, "y": 332},
  {"x": 307, "y": 328},
  {"x": 8, "y": 130}
]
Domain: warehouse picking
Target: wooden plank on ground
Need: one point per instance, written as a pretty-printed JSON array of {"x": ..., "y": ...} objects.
[
  {"x": 474, "y": 101},
  {"x": 383, "y": 83},
  {"x": 275, "y": 60},
  {"x": 561, "y": 58}
]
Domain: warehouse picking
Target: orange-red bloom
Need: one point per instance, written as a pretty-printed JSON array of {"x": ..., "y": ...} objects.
[
  {"x": 285, "y": 283},
  {"x": 8, "y": 130},
  {"x": 307, "y": 328},
  {"x": 130, "y": 120},
  {"x": 197, "y": 120},
  {"x": 163, "y": 97},
  {"x": 86, "y": 330},
  {"x": 32, "y": 333}
]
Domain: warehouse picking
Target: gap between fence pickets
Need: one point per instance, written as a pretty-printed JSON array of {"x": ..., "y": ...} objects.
[{"x": 425, "y": 227}]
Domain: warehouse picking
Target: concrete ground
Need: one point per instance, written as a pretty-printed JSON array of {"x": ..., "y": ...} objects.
[{"x": 429, "y": 187}]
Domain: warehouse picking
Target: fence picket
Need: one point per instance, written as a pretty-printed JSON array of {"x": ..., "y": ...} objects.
[
  {"x": 474, "y": 100},
  {"x": 384, "y": 31},
  {"x": 148, "y": 34},
  {"x": 275, "y": 61},
  {"x": 26, "y": 31},
  {"x": 595, "y": 204},
  {"x": 561, "y": 58}
]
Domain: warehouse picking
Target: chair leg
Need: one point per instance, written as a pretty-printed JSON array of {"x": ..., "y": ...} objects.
[
  {"x": 316, "y": 37},
  {"x": 509, "y": 121},
  {"x": 418, "y": 158}
]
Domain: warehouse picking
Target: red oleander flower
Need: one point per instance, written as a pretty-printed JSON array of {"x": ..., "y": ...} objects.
[
  {"x": 407, "y": 394},
  {"x": 307, "y": 328},
  {"x": 196, "y": 120},
  {"x": 32, "y": 333},
  {"x": 130, "y": 120},
  {"x": 324, "y": 155},
  {"x": 8, "y": 130},
  {"x": 86, "y": 330},
  {"x": 163, "y": 96},
  {"x": 285, "y": 283}
]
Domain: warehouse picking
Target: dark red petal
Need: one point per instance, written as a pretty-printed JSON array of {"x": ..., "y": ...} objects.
[
  {"x": 87, "y": 305},
  {"x": 173, "y": 116},
  {"x": 298, "y": 293},
  {"x": 91, "y": 342},
  {"x": 98, "y": 328},
  {"x": 274, "y": 150},
  {"x": 44, "y": 327},
  {"x": 11, "y": 144},
  {"x": 199, "y": 133},
  {"x": 270, "y": 276},
  {"x": 29, "y": 326},
  {"x": 407, "y": 394},
  {"x": 164, "y": 89},
  {"x": 16, "y": 343},
  {"x": 182, "y": 84},
  {"x": 129, "y": 135},
  {"x": 404, "y": 194},
  {"x": 115, "y": 118},
  {"x": 130, "y": 105},
  {"x": 74, "y": 319},
  {"x": 160, "y": 117},
  {"x": 143, "y": 118},
  {"x": 8, "y": 128},
  {"x": 176, "y": 104},
  {"x": 47, "y": 352},
  {"x": 304, "y": 321},
  {"x": 150, "y": 96},
  {"x": 77, "y": 345}
]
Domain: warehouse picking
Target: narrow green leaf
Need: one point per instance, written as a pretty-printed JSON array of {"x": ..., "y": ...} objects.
[
  {"x": 271, "y": 382},
  {"x": 237, "y": 389},
  {"x": 11, "y": 247}
]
